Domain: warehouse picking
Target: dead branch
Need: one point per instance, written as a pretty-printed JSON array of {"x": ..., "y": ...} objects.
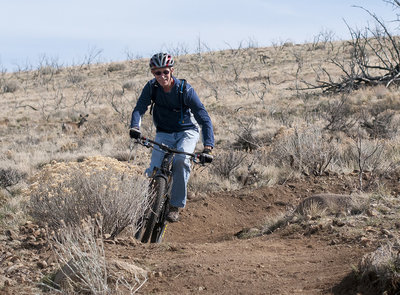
[{"x": 373, "y": 59}]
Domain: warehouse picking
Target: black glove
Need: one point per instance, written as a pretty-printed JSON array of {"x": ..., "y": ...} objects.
[
  {"x": 207, "y": 151},
  {"x": 206, "y": 156},
  {"x": 135, "y": 133}
]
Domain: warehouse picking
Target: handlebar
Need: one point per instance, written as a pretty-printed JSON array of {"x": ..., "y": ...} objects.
[{"x": 198, "y": 158}]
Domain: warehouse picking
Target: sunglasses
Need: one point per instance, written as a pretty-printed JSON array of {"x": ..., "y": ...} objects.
[{"x": 158, "y": 73}]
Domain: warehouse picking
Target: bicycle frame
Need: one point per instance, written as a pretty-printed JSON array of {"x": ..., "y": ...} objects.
[{"x": 154, "y": 221}]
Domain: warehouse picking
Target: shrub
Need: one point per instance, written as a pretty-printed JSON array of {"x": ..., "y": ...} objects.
[
  {"x": 75, "y": 78},
  {"x": 246, "y": 140},
  {"x": 374, "y": 160},
  {"x": 383, "y": 125},
  {"x": 10, "y": 87},
  {"x": 339, "y": 114},
  {"x": 83, "y": 266},
  {"x": 81, "y": 258},
  {"x": 226, "y": 162},
  {"x": 70, "y": 192},
  {"x": 10, "y": 177},
  {"x": 308, "y": 151},
  {"x": 129, "y": 85},
  {"x": 381, "y": 269},
  {"x": 250, "y": 139},
  {"x": 116, "y": 67}
]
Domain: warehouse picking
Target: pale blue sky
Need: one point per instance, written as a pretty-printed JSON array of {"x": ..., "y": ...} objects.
[{"x": 68, "y": 31}]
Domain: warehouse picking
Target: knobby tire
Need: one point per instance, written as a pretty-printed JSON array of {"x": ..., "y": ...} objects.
[
  {"x": 159, "y": 186},
  {"x": 159, "y": 228}
]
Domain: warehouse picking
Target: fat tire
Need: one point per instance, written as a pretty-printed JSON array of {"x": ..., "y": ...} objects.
[{"x": 159, "y": 187}]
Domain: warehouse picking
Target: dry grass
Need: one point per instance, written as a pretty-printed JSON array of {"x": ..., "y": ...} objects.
[
  {"x": 320, "y": 212},
  {"x": 249, "y": 101},
  {"x": 267, "y": 131},
  {"x": 68, "y": 192},
  {"x": 83, "y": 267},
  {"x": 308, "y": 151},
  {"x": 380, "y": 270}
]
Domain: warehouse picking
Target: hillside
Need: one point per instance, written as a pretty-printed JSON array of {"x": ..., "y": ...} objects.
[{"x": 276, "y": 145}]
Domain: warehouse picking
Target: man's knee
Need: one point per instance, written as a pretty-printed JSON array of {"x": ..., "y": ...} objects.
[{"x": 182, "y": 162}]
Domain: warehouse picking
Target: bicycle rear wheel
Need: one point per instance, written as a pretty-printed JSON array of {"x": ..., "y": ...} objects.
[{"x": 159, "y": 187}]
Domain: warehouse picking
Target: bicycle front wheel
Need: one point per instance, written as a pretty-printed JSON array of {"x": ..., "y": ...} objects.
[
  {"x": 159, "y": 197},
  {"x": 161, "y": 225}
]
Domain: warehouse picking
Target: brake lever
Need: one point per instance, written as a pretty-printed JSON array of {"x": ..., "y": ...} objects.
[
  {"x": 195, "y": 159},
  {"x": 146, "y": 142}
]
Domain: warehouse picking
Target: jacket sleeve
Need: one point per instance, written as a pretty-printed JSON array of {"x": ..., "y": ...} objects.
[
  {"x": 141, "y": 106},
  {"x": 201, "y": 115}
]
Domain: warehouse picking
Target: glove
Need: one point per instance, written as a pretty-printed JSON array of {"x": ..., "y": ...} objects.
[
  {"x": 135, "y": 133},
  {"x": 206, "y": 156},
  {"x": 207, "y": 151}
]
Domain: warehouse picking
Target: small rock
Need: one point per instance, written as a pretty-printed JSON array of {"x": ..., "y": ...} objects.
[
  {"x": 365, "y": 241},
  {"x": 14, "y": 267},
  {"x": 37, "y": 233},
  {"x": 5, "y": 282},
  {"x": 191, "y": 196},
  {"x": 42, "y": 264},
  {"x": 370, "y": 229},
  {"x": 11, "y": 235},
  {"x": 15, "y": 259},
  {"x": 334, "y": 242},
  {"x": 386, "y": 232},
  {"x": 371, "y": 212},
  {"x": 338, "y": 223}
]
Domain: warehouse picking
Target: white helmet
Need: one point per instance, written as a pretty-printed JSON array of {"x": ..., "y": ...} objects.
[{"x": 161, "y": 60}]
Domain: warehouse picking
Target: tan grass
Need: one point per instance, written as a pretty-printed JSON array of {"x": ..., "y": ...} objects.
[
  {"x": 250, "y": 93},
  {"x": 83, "y": 266},
  {"x": 275, "y": 222}
]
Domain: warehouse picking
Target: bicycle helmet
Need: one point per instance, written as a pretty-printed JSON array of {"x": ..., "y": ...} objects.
[{"x": 161, "y": 60}]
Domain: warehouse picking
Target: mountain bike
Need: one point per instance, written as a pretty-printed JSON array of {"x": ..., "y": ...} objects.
[{"x": 153, "y": 224}]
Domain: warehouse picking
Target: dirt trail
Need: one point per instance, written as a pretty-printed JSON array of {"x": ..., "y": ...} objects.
[{"x": 201, "y": 254}]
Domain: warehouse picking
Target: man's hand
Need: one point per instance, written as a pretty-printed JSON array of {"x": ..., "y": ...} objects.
[
  {"x": 207, "y": 150},
  {"x": 206, "y": 156},
  {"x": 135, "y": 133}
]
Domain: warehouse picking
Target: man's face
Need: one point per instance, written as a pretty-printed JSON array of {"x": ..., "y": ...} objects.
[{"x": 163, "y": 76}]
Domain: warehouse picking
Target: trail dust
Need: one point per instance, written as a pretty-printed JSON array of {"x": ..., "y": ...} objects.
[{"x": 201, "y": 254}]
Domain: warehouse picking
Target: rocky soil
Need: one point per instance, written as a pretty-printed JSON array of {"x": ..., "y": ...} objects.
[{"x": 202, "y": 253}]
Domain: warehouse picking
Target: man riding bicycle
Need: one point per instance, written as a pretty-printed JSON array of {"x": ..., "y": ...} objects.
[{"x": 177, "y": 114}]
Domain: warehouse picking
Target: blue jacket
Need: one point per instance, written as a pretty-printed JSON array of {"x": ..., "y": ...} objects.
[{"x": 170, "y": 115}]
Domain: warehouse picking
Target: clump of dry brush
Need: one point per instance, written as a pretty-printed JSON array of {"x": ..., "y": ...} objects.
[
  {"x": 69, "y": 192},
  {"x": 81, "y": 202}
]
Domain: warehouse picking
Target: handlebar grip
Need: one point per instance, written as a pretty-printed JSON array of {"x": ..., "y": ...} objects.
[{"x": 205, "y": 158}]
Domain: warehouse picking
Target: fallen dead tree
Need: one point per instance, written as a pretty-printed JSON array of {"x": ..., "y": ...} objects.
[{"x": 372, "y": 57}]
